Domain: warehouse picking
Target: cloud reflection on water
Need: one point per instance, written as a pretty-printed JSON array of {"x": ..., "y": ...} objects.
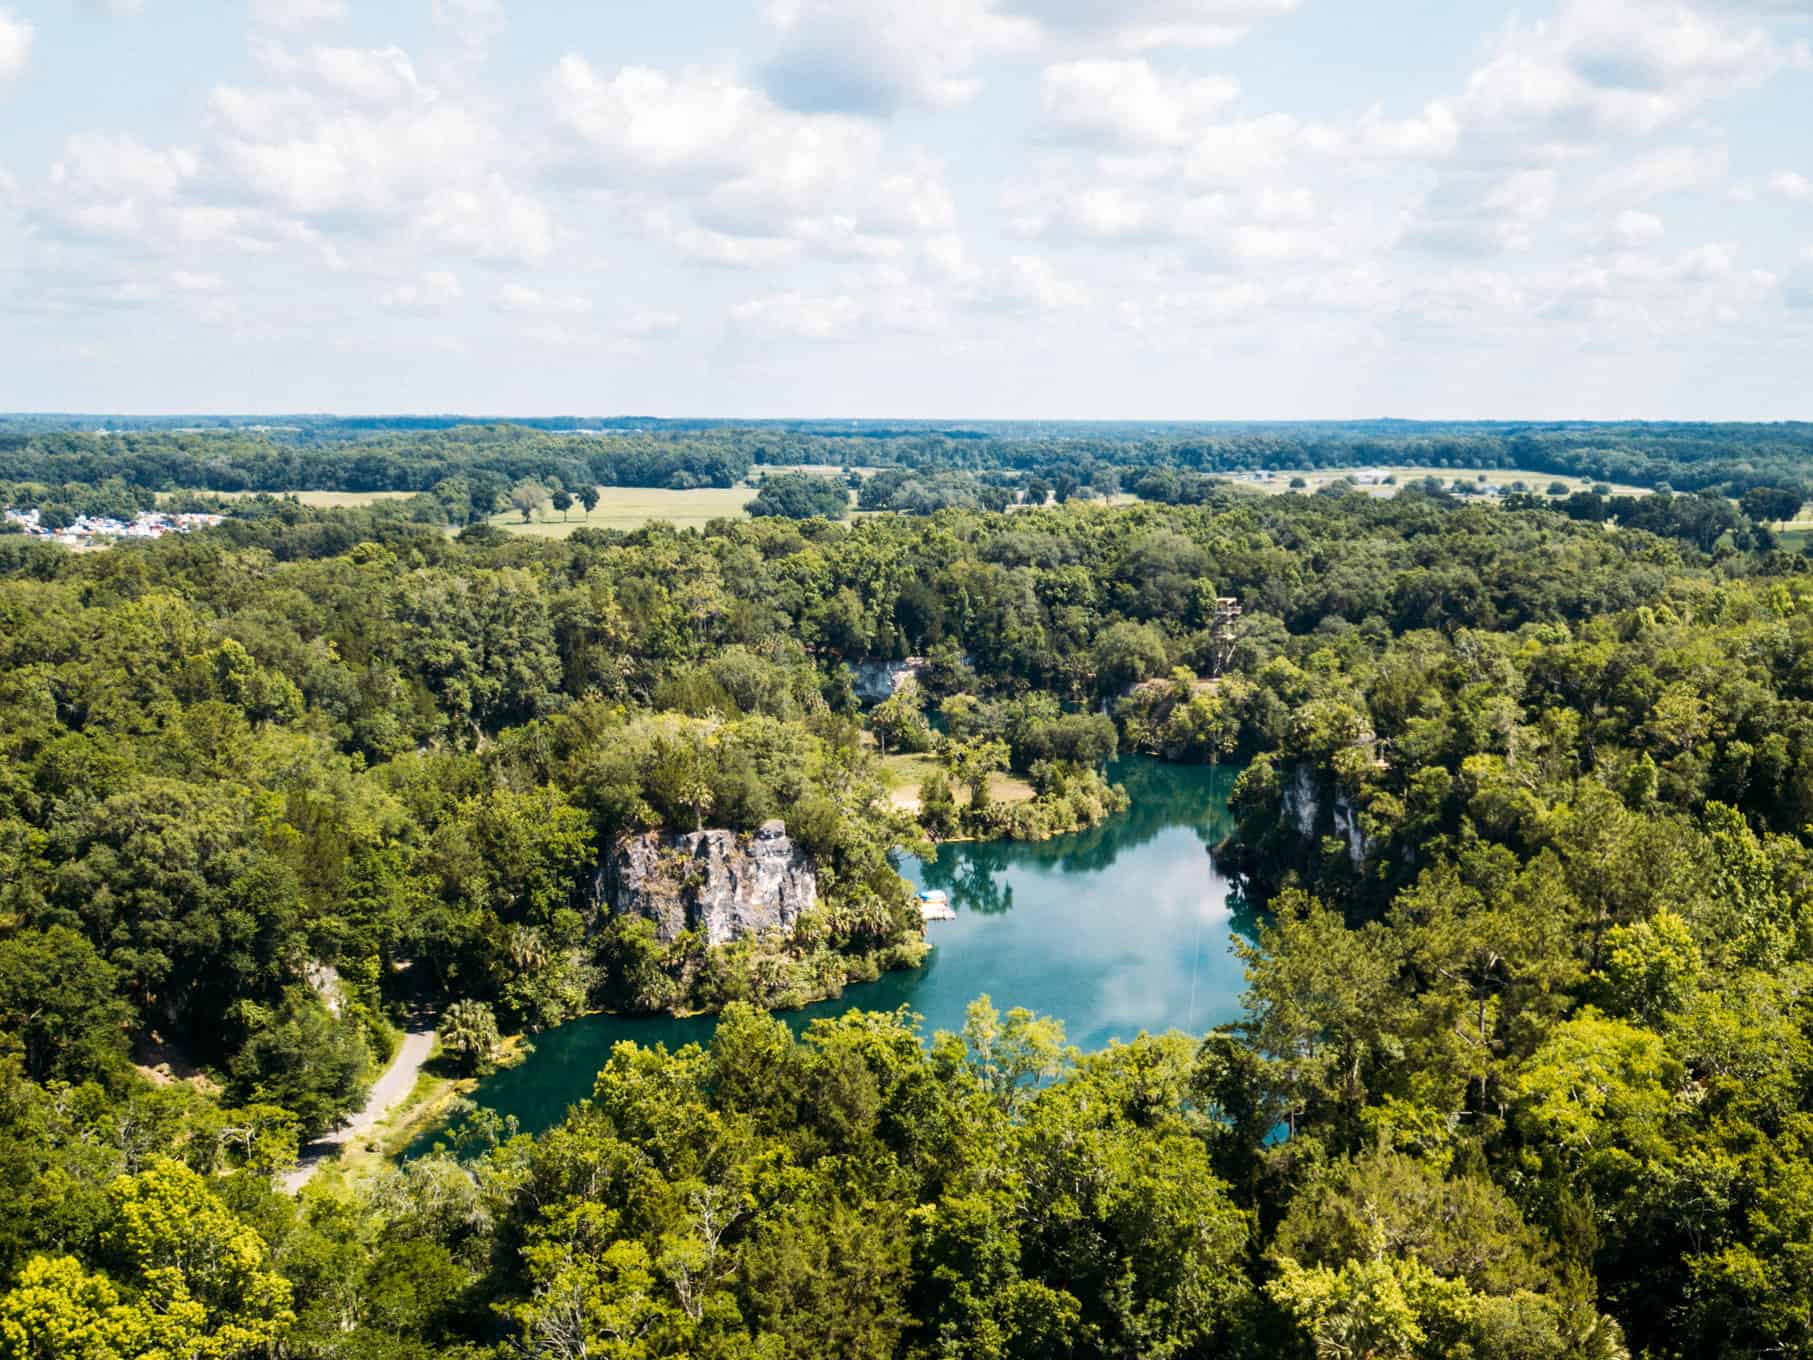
[{"x": 1116, "y": 930}]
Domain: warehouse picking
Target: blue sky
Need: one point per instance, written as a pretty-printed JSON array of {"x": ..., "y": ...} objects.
[{"x": 1052, "y": 208}]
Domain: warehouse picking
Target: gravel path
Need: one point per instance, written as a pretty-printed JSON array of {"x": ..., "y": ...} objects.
[{"x": 396, "y": 1083}]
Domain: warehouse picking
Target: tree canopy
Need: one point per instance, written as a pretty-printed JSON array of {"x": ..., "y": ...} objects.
[{"x": 1525, "y": 1061}]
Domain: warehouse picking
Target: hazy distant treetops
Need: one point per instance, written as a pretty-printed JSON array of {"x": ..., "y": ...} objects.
[
  {"x": 238, "y": 460},
  {"x": 413, "y": 454}
]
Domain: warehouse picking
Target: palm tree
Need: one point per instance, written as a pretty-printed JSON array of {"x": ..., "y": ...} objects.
[
  {"x": 698, "y": 793},
  {"x": 526, "y": 949},
  {"x": 469, "y": 1033}
]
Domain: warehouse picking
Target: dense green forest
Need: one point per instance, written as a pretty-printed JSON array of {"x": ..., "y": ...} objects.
[
  {"x": 802, "y": 495},
  {"x": 1527, "y": 1063},
  {"x": 416, "y": 453}
]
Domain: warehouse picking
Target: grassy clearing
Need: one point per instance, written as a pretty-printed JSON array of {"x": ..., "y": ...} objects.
[
  {"x": 428, "y": 1103},
  {"x": 337, "y": 500},
  {"x": 816, "y": 469},
  {"x": 630, "y": 507},
  {"x": 904, "y": 774}
]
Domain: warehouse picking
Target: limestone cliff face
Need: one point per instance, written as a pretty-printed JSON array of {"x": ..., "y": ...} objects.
[
  {"x": 1303, "y": 807},
  {"x": 874, "y": 679},
  {"x": 718, "y": 882},
  {"x": 877, "y": 680}
]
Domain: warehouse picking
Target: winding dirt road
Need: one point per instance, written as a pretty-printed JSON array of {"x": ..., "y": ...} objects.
[{"x": 386, "y": 1092}]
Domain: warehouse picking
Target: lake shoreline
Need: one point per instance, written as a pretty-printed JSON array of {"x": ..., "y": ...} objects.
[{"x": 1122, "y": 928}]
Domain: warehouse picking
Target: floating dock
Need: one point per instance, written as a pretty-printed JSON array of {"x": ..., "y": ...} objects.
[{"x": 935, "y": 905}]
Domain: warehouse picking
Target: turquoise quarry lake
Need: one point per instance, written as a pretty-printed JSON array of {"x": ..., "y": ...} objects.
[{"x": 1127, "y": 927}]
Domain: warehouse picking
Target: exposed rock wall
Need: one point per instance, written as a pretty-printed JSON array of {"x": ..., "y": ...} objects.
[
  {"x": 1303, "y": 807},
  {"x": 717, "y": 882},
  {"x": 1300, "y": 802},
  {"x": 877, "y": 680},
  {"x": 325, "y": 979},
  {"x": 874, "y": 680}
]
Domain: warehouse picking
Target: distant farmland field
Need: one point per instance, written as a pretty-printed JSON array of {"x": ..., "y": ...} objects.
[{"x": 631, "y": 507}]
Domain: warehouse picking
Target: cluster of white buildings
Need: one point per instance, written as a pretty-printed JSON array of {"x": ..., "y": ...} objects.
[{"x": 87, "y": 530}]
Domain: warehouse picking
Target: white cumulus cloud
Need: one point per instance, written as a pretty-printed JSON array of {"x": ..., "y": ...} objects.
[
  {"x": 518, "y": 298},
  {"x": 16, "y": 36},
  {"x": 297, "y": 13},
  {"x": 1483, "y": 213},
  {"x": 875, "y": 56},
  {"x": 1668, "y": 170},
  {"x": 649, "y": 321},
  {"x": 369, "y": 76},
  {"x": 1634, "y": 228},
  {"x": 477, "y": 23},
  {"x": 353, "y": 139},
  {"x": 1792, "y": 184},
  {"x": 735, "y": 252},
  {"x": 736, "y": 178},
  {"x": 185, "y": 281},
  {"x": 311, "y": 154},
  {"x": 1142, "y": 24},
  {"x": 99, "y": 163},
  {"x": 430, "y": 293},
  {"x": 1609, "y": 69},
  {"x": 799, "y": 315},
  {"x": 1557, "y": 182},
  {"x": 702, "y": 124},
  {"x": 1032, "y": 280},
  {"x": 491, "y": 221},
  {"x": 1127, "y": 103}
]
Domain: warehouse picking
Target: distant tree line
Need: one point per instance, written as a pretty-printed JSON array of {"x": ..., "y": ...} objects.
[
  {"x": 413, "y": 454},
  {"x": 252, "y": 461}
]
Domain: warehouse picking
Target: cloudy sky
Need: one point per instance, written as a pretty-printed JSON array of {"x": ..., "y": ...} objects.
[{"x": 943, "y": 208}]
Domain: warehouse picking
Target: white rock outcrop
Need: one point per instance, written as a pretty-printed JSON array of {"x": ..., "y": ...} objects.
[
  {"x": 717, "y": 882},
  {"x": 1302, "y": 806},
  {"x": 876, "y": 680}
]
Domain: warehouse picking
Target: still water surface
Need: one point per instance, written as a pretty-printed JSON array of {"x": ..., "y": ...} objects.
[{"x": 1123, "y": 928}]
